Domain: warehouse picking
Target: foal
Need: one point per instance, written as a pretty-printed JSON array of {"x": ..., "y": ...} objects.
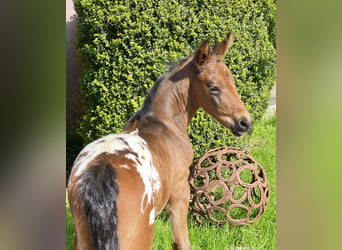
[{"x": 120, "y": 182}]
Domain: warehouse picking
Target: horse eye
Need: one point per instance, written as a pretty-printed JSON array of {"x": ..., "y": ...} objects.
[{"x": 215, "y": 90}]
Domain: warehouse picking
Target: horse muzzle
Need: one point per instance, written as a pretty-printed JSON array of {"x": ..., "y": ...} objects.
[{"x": 241, "y": 126}]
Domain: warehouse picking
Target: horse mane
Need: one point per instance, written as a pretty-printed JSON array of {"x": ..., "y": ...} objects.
[
  {"x": 172, "y": 68},
  {"x": 174, "y": 65},
  {"x": 145, "y": 110}
]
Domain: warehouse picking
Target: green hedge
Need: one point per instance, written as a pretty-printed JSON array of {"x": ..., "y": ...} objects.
[{"x": 127, "y": 45}]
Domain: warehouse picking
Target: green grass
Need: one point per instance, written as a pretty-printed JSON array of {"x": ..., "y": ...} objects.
[
  {"x": 260, "y": 235},
  {"x": 69, "y": 229}
]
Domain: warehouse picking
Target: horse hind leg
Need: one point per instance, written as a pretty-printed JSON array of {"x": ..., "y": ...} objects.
[
  {"x": 136, "y": 217},
  {"x": 82, "y": 236},
  {"x": 82, "y": 240},
  {"x": 140, "y": 237}
]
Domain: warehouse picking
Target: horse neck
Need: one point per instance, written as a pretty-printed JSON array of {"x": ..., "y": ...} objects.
[
  {"x": 173, "y": 101},
  {"x": 170, "y": 101}
]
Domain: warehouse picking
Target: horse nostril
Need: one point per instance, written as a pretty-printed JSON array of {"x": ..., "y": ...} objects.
[{"x": 244, "y": 124}]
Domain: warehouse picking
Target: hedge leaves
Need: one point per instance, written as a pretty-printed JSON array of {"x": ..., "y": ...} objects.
[{"x": 127, "y": 45}]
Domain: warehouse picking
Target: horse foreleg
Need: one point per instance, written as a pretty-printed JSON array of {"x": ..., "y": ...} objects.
[{"x": 178, "y": 207}]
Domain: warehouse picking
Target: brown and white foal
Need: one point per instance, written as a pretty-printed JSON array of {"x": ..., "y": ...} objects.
[{"x": 121, "y": 182}]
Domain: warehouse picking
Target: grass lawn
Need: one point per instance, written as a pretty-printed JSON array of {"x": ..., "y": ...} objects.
[{"x": 260, "y": 235}]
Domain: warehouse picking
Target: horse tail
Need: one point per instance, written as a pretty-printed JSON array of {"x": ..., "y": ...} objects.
[{"x": 99, "y": 192}]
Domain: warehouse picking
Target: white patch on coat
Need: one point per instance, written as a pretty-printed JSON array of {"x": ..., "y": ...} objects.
[
  {"x": 140, "y": 155},
  {"x": 152, "y": 216},
  {"x": 143, "y": 161},
  {"x": 109, "y": 144},
  {"x": 124, "y": 166}
]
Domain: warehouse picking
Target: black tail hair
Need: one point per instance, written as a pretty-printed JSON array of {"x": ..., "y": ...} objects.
[{"x": 99, "y": 192}]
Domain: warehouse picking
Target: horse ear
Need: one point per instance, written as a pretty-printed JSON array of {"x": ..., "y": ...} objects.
[
  {"x": 222, "y": 47},
  {"x": 202, "y": 53}
]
